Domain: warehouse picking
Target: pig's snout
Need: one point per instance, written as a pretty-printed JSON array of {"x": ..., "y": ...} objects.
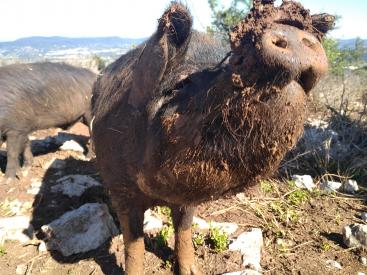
[{"x": 295, "y": 51}]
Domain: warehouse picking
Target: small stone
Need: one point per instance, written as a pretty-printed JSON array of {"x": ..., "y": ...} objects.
[
  {"x": 364, "y": 217},
  {"x": 333, "y": 264},
  {"x": 351, "y": 187},
  {"x": 12, "y": 208},
  {"x": 42, "y": 247},
  {"x": 16, "y": 228},
  {"x": 226, "y": 227},
  {"x": 71, "y": 145},
  {"x": 244, "y": 272},
  {"x": 361, "y": 273},
  {"x": 363, "y": 260},
  {"x": 36, "y": 185},
  {"x": 249, "y": 243},
  {"x": 330, "y": 186},
  {"x": 21, "y": 269},
  {"x": 74, "y": 185},
  {"x": 304, "y": 181},
  {"x": 201, "y": 224},
  {"x": 284, "y": 243},
  {"x": 355, "y": 235},
  {"x": 151, "y": 223},
  {"x": 54, "y": 164}
]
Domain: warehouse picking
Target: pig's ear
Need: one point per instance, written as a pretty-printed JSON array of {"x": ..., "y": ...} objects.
[
  {"x": 323, "y": 22},
  {"x": 176, "y": 22}
]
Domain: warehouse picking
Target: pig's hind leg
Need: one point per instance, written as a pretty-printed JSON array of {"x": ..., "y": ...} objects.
[
  {"x": 27, "y": 158},
  {"x": 15, "y": 144}
]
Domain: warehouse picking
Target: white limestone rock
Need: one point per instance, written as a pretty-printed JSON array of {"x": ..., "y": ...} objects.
[
  {"x": 152, "y": 224},
  {"x": 304, "y": 182},
  {"x": 249, "y": 244},
  {"x": 330, "y": 186},
  {"x": 355, "y": 235},
  {"x": 350, "y": 187},
  {"x": 80, "y": 230},
  {"x": 71, "y": 145},
  {"x": 74, "y": 185},
  {"x": 228, "y": 228},
  {"x": 16, "y": 228}
]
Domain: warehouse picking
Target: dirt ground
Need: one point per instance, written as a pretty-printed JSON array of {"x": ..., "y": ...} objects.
[{"x": 301, "y": 230}]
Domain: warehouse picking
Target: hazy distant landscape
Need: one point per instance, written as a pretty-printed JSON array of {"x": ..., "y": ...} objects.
[
  {"x": 58, "y": 49},
  {"x": 78, "y": 50}
]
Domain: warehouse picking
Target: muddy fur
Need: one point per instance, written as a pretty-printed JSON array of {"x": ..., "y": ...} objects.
[
  {"x": 39, "y": 96},
  {"x": 175, "y": 125}
]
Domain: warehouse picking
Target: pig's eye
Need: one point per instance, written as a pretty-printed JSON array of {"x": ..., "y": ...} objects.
[{"x": 171, "y": 29}]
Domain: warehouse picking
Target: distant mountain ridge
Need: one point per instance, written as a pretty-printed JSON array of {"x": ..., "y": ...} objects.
[
  {"x": 59, "y": 48},
  {"x": 41, "y": 42},
  {"x": 350, "y": 43}
]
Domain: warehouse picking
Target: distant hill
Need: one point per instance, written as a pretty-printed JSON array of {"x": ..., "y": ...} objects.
[
  {"x": 349, "y": 43},
  {"x": 46, "y": 43},
  {"x": 56, "y": 47}
]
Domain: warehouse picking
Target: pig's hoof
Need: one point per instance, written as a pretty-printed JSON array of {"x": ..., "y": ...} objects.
[
  {"x": 8, "y": 180},
  {"x": 89, "y": 156},
  {"x": 25, "y": 171},
  {"x": 189, "y": 270}
]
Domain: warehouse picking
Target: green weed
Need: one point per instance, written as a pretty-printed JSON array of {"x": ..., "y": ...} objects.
[
  {"x": 198, "y": 239},
  {"x": 164, "y": 235},
  {"x": 298, "y": 196},
  {"x": 218, "y": 238},
  {"x": 266, "y": 186},
  {"x": 2, "y": 251}
]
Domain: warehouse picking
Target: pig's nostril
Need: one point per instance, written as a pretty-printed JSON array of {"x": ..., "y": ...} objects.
[
  {"x": 280, "y": 42},
  {"x": 308, "y": 43}
]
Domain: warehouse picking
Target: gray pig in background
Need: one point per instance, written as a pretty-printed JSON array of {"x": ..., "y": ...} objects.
[{"x": 40, "y": 96}]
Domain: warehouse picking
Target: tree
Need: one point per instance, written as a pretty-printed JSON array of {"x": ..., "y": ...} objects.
[
  {"x": 100, "y": 63},
  {"x": 336, "y": 56},
  {"x": 356, "y": 55},
  {"x": 225, "y": 18},
  {"x": 341, "y": 58}
]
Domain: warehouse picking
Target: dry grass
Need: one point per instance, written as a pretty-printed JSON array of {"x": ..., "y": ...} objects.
[{"x": 335, "y": 144}]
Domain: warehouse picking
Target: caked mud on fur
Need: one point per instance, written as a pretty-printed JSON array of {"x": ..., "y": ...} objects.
[{"x": 175, "y": 125}]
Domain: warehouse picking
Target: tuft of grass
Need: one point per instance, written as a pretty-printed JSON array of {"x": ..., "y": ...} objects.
[
  {"x": 298, "y": 196},
  {"x": 198, "y": 239},
  {"x": 164, "y": 211},
  {"x": 280, "y": 233},
  {"x": 338, "y": 219},
  {"x": 266, "y": 186},
  {"x": 218, "y": 238},
  {"x": 164, "y": 235},
  {"x": 284, "y": 212},
  {"x": 2, "y": 251},
  {"x": 325, "y": 246},
  {"x": 167, "y": 264}
]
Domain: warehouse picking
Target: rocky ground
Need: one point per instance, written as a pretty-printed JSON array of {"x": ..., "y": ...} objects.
[{"x": 57, "y": 220}]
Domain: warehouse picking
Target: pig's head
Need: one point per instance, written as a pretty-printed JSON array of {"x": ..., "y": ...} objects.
[{"x": 274, "y": 46}]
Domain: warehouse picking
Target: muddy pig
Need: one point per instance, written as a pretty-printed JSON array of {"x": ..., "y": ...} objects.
[
  {"x": 40, "y": 96},
  {"x": 176, "y": 126}
]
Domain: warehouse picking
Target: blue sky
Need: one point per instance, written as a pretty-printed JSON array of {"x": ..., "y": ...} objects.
[{"x": 138, "y": 18}]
